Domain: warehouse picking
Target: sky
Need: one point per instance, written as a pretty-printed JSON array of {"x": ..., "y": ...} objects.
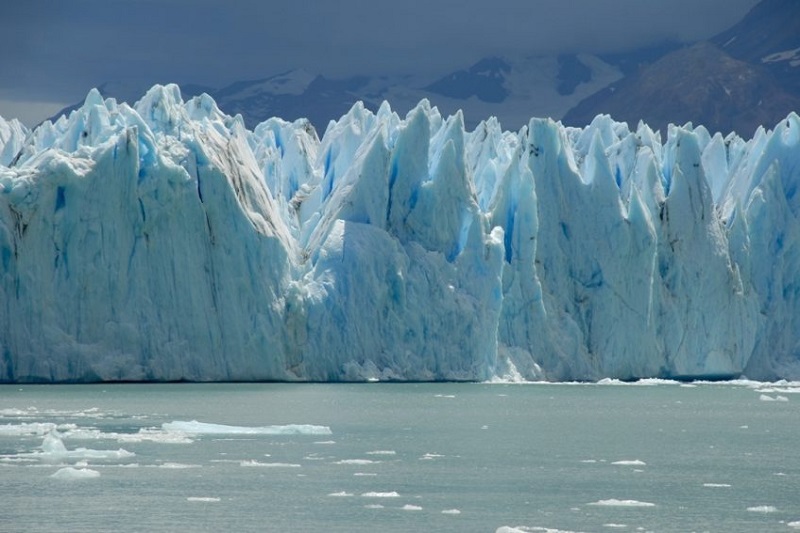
[{"x": 53, "y": 51}]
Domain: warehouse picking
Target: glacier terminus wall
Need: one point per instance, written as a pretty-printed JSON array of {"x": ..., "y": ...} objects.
[{"x": 165, "y": 241}]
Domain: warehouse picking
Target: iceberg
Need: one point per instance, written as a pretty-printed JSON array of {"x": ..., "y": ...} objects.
[{"x": 165, "y": 241}]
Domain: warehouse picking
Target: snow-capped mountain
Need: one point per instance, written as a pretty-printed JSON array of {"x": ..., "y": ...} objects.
[
  {"x": 768, "y": 35},
  {"x": 166, "y": 241},
  {"x": 509, "y": 89},
  {"x": 745, "y": 77},
  {"x": 712, "y": 88}
]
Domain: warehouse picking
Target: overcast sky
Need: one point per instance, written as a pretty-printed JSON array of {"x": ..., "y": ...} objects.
[{"x": 52, "y": 52}]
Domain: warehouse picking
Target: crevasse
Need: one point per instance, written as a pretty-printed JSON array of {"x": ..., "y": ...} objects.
[{"x": 165, "y": 241}]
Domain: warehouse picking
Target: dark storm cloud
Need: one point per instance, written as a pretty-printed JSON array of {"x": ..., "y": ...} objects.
[{"x": 58, "y": 49}]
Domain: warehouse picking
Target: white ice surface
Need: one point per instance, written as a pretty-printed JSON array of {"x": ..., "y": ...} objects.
[
  {"x": 201, "y": 428},
  {"x": 621, "y": 503},
  {"x": 762, "y": 509},
  {"x": 70, "y": 473},
  {"x": 165, "y": 241}
]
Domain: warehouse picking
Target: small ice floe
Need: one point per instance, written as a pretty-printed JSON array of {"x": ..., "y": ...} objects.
[
  {"x": 326, "y": 442},
  {"x": 777, "y": 398},
  {"x": 382, "y": 452},
  {"x": 194, "y": 427},
  {"x": 783, "y": 388},
  {"x": 613, "y": 502},
  {"x": 526, "y": 529},
  {"x": 445, "y": 396},
  {"x": 26, "y": 429},
  {"x": 629, "y": 462},
  {"x": 69, "y": 473},
  {"x": 341, "y": 494},
  {"x": 794, "y": 525},
  {"x": 373, "y": 506},
  {"x": 254, "y": 463},
  {"x": 716, "y": 485},
  {"x": 762, "y": 509},
  {"x": 155, "y": 435},
  {"x": 365, "y": 474},
  {"x": 207, "y": 499},
  {"x": 615, "y": 526},
  {"x": 409, "y": 507},
  {"x": 177, "y": 466},
  {"x": 356, "y": 462},
  {"x": 451, "y": 511},
  {"x": 391, "y": 494},
  {"x": 589, "y": 461},
  {"x": 53, "y": 450},
  {"x": 430, "y": 456}
]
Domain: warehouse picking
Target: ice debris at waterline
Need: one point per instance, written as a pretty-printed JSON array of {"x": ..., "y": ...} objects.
[{"x": 165, "y": 241}]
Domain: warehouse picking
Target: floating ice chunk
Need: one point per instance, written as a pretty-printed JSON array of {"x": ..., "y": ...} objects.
[
  {"x": 178, "y": 466},
  {"x": 53, "y": 449},
  {"x": 526, "y": 529},
  {"x": 70, "y": 473},
  {"x": 20, "y": 430},
  {"x": 451, "y": 511},
  {"x": 783, "y": 389},
  {"x": 794, "y": 525},
  {"x": 382, "y": 452},
  {"x": 615, "y": 526},
  {"x": 778, "y": 398},
  {"x": 326, "y": 442},
  {"x": 391, "y": 494},
  {"x": 194, "y": 427},
  {"x": 630, "y": 462},
  {"x": 613, "y": 502},
  {"x": 341, "y": 494},
  {"x": 373, "y": 506},
  {"x": 208, "y": 499},
  {"x": 430, "y": 456},
  {"x": 268, "y": 465},
  {"x": 762, "y": 509},
  {"x": 409, "y": 507},
  {"x": 356, "y": 462},
  {"x": 365, "y": 474},
  {"x": 716, "y": 485},
  {"x": 156, "y": 435}
]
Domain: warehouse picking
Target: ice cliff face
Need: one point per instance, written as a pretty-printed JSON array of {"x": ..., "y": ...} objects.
[{"x": 165, "y": 241}]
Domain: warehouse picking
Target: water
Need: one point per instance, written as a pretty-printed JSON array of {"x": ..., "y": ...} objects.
[{"x": 402, "y": 457}]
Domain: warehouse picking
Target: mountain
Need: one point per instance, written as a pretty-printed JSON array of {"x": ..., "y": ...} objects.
[
  {"x": 511, "y": 89},
  {"x": 166, "y": 241},
  {"x": 768, "y": 35},
  {"x": 293, "y": 94},
  {"x": 710, "y": 88},
  {"x": 743, "y": 78}
]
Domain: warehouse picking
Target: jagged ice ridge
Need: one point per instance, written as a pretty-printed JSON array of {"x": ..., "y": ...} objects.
[{"x": 165, "y": 241}]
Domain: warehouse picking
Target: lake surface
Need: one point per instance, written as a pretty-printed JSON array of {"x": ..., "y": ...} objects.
[{"x": 400, "y": 457}]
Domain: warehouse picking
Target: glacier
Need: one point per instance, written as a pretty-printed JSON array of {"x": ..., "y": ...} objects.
[{"x": 164, "y": 241}]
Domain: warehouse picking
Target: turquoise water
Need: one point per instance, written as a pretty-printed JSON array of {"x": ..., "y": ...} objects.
[{"x": 400, "y": 457}]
